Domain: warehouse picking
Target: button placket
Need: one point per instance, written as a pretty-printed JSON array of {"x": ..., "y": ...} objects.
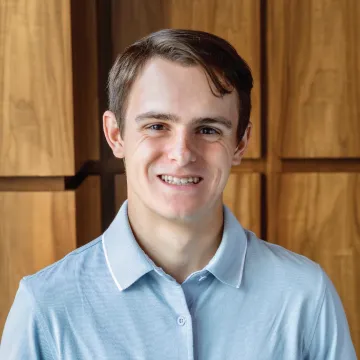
[{"x": 184, "y": 324}]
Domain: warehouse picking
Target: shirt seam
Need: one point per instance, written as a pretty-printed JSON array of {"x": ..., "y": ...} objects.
[
  {"x": 42, "y": 322},
  {"x": 73, "y": 253},
  {"x": 318, "y": 312}
]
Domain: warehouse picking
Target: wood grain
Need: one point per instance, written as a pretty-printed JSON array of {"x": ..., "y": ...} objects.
[
  {"x": 319, "y": 217},
  {"x": 36, "y": 114},
  {"x": 85, "y": 81},
  {"x": 237, "y": 21},
  {"x": 88, "y": 210},
  {"x": 36, "y": 229},
  {"x": 314, "y": 76},
  {"x": 242, "y": 195}
]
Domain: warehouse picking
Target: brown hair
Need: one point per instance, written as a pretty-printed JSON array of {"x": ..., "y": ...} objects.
[{"x": 222, "y": 64}]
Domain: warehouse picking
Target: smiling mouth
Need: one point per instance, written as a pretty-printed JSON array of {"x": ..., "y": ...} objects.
[{"x": 172, "y": 180}]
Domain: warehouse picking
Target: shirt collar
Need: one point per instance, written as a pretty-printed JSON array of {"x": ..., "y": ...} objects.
[
  {"x": 127, "y": 262},
  {"x": 227, "y": 265},
  {"x": 125, "y": 259}
]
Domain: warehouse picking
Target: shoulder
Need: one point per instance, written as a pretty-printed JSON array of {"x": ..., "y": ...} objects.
[
  {"x": 41, "y": 304},
  {"x": 284, "y": 269},
  {"x": 59, "y": 277},
  {"x": 298, "y": 289},
  {"x": 276, "y": 258},
  {"x": 292, "y": 284}
]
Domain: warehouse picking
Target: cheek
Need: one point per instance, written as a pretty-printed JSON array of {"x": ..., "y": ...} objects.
[
  {"x": 219, "y": 155},
  {"x": 142, "y": 153},
  {"x": 220, "y": 159}
]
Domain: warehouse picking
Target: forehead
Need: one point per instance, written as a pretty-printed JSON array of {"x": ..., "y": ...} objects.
[{"x": 185, "y": 90}]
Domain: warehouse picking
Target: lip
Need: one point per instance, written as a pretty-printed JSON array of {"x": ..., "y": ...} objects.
[{"x": 182, "y": 176}]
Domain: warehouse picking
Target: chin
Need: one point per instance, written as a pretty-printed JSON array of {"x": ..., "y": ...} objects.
[{"x": 181, "y": 212}]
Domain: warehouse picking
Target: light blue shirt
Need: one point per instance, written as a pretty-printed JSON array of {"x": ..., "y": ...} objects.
[{"x": 108, "y": 300}]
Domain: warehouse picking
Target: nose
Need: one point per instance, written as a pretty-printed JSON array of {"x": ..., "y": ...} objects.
[{"x": 182, "y": 150}]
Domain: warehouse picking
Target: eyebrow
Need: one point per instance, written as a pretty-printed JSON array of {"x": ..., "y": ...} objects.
[{"x": 174, "y": 118}]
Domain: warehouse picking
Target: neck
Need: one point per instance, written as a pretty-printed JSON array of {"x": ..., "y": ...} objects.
[{"x": 178, "y": 248}]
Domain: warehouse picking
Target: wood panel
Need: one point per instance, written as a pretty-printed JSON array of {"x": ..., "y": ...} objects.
[
  {"x": 85, "y": 81},
  {"x": 36, "y": 117},
  {"x": 120, "y": 190},
  {"x": 319, "y": 217},
  {"x": 88, "y": 210},
  {"x": 314, "y": 76},
  {"x": 36, "y": 229},
  {"x": 238, "y": 21},
  {"x": 242, "y": 195}
]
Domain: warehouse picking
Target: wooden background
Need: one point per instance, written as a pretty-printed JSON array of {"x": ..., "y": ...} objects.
[{"x": 299, "y": 185}]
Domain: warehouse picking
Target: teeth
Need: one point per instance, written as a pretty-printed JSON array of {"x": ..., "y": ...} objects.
[{"x": 177, "y": 181}]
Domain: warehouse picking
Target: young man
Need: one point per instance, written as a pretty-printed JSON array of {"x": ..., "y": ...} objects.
[{"x": 175, "y": 276}]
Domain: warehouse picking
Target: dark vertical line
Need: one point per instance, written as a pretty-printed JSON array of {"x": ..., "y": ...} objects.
[
  {"x": 263, "y": 76},
  {"x": 105, "y": 57},
  {"x": 263, "y": 207},
  {"x": 263, "y": 112}
]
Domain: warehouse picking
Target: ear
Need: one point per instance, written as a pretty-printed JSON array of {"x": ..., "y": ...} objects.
[
  {"x": 242, "y": 146},
  {"x": 112, "y": 134}
]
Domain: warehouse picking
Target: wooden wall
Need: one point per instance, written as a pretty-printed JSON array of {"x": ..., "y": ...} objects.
[
  {"x": 49, "y": 130},
  {"x": 299, "y": 185},
  {"x": 313, "y": 162}
]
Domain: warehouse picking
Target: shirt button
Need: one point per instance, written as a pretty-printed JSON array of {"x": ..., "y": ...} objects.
[{"x": 181, "y": 320}]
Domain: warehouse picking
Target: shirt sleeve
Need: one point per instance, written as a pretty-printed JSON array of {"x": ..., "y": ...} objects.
[
  {"x": 330, "y": 339},
  {"x": 24, "y": 335}
]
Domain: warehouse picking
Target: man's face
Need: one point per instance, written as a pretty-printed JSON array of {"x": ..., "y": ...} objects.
[{"x": 179, "y": 141}]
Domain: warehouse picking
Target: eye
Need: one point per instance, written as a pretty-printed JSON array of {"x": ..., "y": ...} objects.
[
  {"x": 209, "y": 131},
  {"x": 156, "y": 127}
]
